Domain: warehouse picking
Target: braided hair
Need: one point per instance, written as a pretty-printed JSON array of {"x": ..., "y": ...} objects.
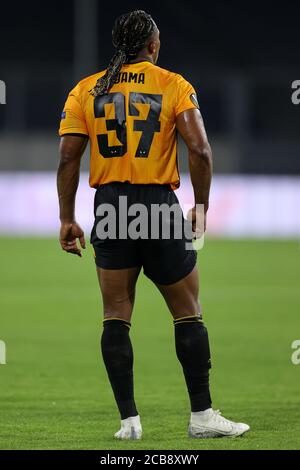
[{"x": 129, "y": 35}]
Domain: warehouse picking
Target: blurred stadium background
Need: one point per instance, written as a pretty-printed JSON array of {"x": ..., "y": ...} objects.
[{"x": 242, "y": 60}]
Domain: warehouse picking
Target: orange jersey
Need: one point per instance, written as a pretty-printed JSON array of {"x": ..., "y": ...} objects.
[{"x": 132, "y": 129}]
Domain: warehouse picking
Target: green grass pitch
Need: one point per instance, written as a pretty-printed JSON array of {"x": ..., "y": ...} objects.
[{"x": 54, "y": 393}]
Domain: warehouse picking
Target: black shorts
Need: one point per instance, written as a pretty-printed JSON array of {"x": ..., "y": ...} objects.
[{"x": 164, "y": 260}]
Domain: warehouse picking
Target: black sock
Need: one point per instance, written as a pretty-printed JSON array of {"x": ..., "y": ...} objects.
[
  {"x": 118, "y": 358},
  {"x": 192, "y": 348}
]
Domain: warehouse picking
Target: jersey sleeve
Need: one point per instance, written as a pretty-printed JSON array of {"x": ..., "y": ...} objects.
[
  {"x": 186, "y": 97},
  {"x": 72, "y": 118}
]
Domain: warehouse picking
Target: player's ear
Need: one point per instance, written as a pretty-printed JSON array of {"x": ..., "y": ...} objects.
[{"x": 152, "y": 47}]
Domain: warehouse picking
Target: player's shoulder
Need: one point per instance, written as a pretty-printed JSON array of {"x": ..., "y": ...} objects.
[
  {"x": 87, "y": 83},
  {"x": 170, "y": 75}
]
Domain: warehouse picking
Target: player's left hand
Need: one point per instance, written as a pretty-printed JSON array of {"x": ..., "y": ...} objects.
[{"x": 69, "y": 232}]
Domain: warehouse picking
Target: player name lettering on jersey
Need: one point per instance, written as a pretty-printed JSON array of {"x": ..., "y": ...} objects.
[{"x": 130, "y": 77}]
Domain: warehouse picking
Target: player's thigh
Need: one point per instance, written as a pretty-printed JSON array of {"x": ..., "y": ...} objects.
[
  {"x": 118, "y": 291},
  {"x": 182, "y": 296}
]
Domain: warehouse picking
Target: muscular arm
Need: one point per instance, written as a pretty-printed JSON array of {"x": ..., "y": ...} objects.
[
  {"x": 71, "y": 150},
  {"x": 191, "y": 128}
]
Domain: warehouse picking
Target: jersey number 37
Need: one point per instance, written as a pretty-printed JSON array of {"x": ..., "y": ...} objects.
[{"x": 148, "y": 127}]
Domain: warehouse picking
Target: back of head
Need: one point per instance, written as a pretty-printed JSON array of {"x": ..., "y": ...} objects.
[{"x": 129, "y": 35}]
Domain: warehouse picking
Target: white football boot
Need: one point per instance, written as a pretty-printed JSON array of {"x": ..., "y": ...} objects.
[
  {"x": 131, "y": 428},
  {"x": 210, "y": 423}
]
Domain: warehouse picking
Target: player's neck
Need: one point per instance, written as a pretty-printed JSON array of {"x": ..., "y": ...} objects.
[{"x": 141, "y": 58}]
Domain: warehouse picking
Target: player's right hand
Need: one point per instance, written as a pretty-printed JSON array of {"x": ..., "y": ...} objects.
[
  {"x": 69, "y": 232},
  {"x": 197, "y": 217}
]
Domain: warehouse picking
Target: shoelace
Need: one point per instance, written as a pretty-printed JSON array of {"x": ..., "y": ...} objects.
[
  {"x": 217, "y": 416},
  {"x": 220, "y": 419}
]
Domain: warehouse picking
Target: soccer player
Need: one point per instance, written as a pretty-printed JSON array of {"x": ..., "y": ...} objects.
[{"x": 131, "y": 113}]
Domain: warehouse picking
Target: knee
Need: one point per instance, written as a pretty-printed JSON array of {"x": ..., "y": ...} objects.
[
  {"x": 111, "y": 313},
  {"x": 119, "y": 306},
  {"x": 192, "y": 309}
]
